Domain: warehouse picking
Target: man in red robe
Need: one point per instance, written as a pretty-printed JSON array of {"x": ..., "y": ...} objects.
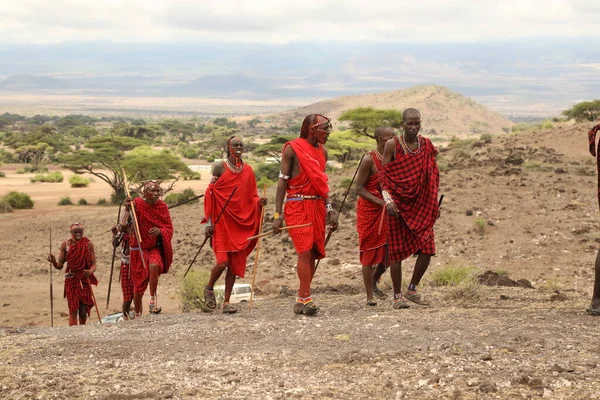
[
  {"x": 410, "y": 181},
  {"x": 303, "y": 178},
  {"x": 372, "y": 241},
  {"x": 121, "y": 237},
  {"x": 240, "y": 220},
  {"x": 156, "y": 231},
  {"x": 78, "y": 253}
]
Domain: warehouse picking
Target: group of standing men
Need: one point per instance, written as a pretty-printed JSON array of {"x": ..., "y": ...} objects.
[{"x": 397, "y": 184}]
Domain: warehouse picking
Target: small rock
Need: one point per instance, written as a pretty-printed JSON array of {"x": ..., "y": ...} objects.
[
  {"x": 469, "y": 213},
  {"x": 525, "y": 283},
  {"x": 334, "y": 261},
  {"x": 472, "y": 381},
  {"x": 488, "y": 387},
  {"x": 486, "y": 357},
  {"x": 558, "y": 368},
  {"x": 559, "y": 297},
  {"x": 504, "y": 297},
  {"x": 5, "y": 304}
]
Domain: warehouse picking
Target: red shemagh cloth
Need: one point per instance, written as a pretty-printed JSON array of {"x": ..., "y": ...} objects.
[
  {"x": 312, "y": 181},
  {"x": 149, "y": 216},
  {"x": 412, "y": 179},
  {"x": 240, "y": 220},
  {"x": 368, "y": 216}
]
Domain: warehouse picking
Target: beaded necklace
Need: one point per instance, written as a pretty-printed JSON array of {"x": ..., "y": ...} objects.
[
  {"x": 378, "y": 155},
  {"x": 234, "y": 168},
  {"x": 408, "y": 148}
]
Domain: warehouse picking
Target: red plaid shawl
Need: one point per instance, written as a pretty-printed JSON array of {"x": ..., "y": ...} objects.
[
  {"x": 77, "y": 289},
  {"x": 413, "y": 181},
  {"x": 592, "y": 142},
  {"x": 154, "y": 215},
  {"x": 368, "y": 214}
]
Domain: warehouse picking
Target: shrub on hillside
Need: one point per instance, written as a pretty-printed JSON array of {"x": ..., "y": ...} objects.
[
  {"x": 450, "y": 275},
  {"x": 5, "y": 206},
  {"x": 78, "y": 181},
  {"x": 18, "y": 200},
  {"x": 65, "y": 201},
  {"x": 2, "y": 174},
  {"x": 53, "y": 177},
  {"x": 191, "y": 293},
  {"x": 102, "y": 202},
  {"x": 82, "y": 202}
]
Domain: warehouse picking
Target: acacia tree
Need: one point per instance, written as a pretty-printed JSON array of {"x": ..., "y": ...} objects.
[
  {"x": 345, "y": 145},
  {"x": 273, "y": 147},
  {"x": 363, "y": 121},
  {"x": 584, "y": 111},
  {"x": 37, "y": 155}
]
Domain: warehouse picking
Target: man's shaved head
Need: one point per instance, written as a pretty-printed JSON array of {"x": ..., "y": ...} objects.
[
  {"x": 383, "y": 130},
  {"x": 410, "y": 112}
]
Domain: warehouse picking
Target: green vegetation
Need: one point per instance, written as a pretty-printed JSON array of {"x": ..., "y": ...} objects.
[
  {"x": 102, "y": 202},
  {"x": 345, "y": 183},
  {"x": 486, "y": 138},
  {"x": 2, "y": 174},
  {"x": 5, "y": 206},
  {"x": 175, "y": 198},
  {"x": 537, "y": 166},
  {"x": 191, "y": 292},
  {"x": 65, "y": 201},
  {"x": 480, "y": 225},
  {"x": 82, "y": 202},
  {"x": 18, "y": 200},
  {"x": 452, "y": 275},
  {"x": 264, "y": 181},
  {"x": 53, "y": 177},
  {"x": 469, "y": 290},
  {"x": 78, "y": 181},
  {"x": 584, "y": 111},
  {"x": 363, "y": 121}
]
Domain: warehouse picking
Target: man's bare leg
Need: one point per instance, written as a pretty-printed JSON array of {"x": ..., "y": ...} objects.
[
  {"x": 378, "y": 272},
  {"x": 82, "y": 314},
  {"x": 153, "y": 284},
  {"x": 396, "y": 273},
  {"x": 595, "y": 306},
  {"x": 209, "y": 294},
  {"x": 73, "y": 319},
  {"x": 367, "y": 272},
  {"x": 306, "y": 270},
  {"x": 421, "y": 266},
  {"x": 126, "y": 308},
  {"x": 137, "y": 304},
  {"x": 229, "y": 282}
]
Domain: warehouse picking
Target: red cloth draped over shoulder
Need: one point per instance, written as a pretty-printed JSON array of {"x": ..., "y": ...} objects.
[
  {"x": 312, "y": 181},
  {"x": 241, "y": 218},
  {"x": 412, "y": 179},
  {"x": 79, "y": 258},
  {"x": 368, "y": 214},
  {"x": 154, "y": 215}
]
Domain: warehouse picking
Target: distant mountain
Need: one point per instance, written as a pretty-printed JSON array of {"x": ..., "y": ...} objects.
[
  {"x": 22, "y": 82},
  {"x": 444, "y": 112}
]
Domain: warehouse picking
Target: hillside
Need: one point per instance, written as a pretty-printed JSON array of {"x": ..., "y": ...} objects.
[{"x": 444, "y": 111}]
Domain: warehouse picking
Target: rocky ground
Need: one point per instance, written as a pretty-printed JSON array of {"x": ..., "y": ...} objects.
[{"x": 514, "y": 343}]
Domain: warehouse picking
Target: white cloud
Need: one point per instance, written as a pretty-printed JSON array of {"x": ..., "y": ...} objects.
[{"x": 280, "y": 21}]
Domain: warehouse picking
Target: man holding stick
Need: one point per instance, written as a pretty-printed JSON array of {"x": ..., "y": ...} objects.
[
  {"x": 156, "y": 232},
  {"x": 410, "y": 181},
  {"x": 240, "y": 219},
  {"x": 303, "y": 178},
  {"x": 121, "y": 234},
  {"x": 372, "y": 242},
  {"x": 78, "y": 253}
]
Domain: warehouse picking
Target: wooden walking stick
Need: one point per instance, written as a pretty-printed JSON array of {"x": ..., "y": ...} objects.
[
  {"x": 206, "y": 239},
  {"x": 94, "y": 298},
  {"x": 112, "y": 264},
  {"x": 136, "y": 228},
  {"x": 260, "y": 225},
  {"x": 283, "y": 228},
  {"x": 341, "y": 207},
  {"x": 51, "y": 289}
]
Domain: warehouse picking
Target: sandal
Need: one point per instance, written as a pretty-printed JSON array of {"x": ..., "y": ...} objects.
[
  {"x": 299, "y": 308},
  {"x": 209, "y": 298},
  {"x": 593, "y": 311},
  {"x": 229, "y": 308},
  {"x": 415, "y": 298},
  {"x": 311, "y": 309},
  {"x": 154, "y": 309},
  {"x": 400, "y": 303},
  {"x": 379, "y": 293},
  {"x": 371, "y": 303}
]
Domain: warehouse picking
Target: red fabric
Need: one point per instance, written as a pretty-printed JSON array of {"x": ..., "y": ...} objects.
[
  {"x": 312, "y": 181},
  {"x": 592, "y": 142},
  {"x": 139, "y": 275},
  {"x": 240, "y": 220},
  {"x": 77, "y": 289},
  {"x": 150, "y": 216},
  {"x": 368, "y": 215},
  {"x": 126, "y": 283},
  {"x": 413, "y": 182},
  {"x": 374, "y": 256}
]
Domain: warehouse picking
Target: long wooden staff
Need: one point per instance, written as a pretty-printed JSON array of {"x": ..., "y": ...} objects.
[
  {"x": 341, "y": 206},
  {"x": 112, "y": 264},
  {"x": 260, "y": 225},
  {"x": 51, "y": 289},
  {"x": 208, "y": 237},
  {"x": 283, "y": 228},
  {"x": 94, "y": 298},
  {"x": 136, "y": 228}
]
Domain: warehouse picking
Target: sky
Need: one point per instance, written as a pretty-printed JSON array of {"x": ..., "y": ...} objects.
[{"x": 285, "y": 21}]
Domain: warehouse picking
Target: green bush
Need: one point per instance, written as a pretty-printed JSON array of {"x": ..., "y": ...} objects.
[
  {"x": 82, "y": 202},
  {"x": 65, "y": 201},
  {"x": 53, "y": 177},
  {"x": 264, "y": 181},
  {"x": 18, "y": 200},
  {"x": 174, "y": 198},
  {"x": 486, "y": 137},
  {"x": 450, "y": 275},
  {"x": 102, "y": 202},
  {"x": 78, "y": 181},
  {"x": 480, "y": 224},
  {"x": 28, "y": 169},
  {"x": 192, "y": 176},
  {"x": 5, "y": 206},
  {"x": 2, "y": 174},
  {"x": 270, "y": 171},
  {"x": 547, "y": 124},
  {"x": 191, "y": 293}
]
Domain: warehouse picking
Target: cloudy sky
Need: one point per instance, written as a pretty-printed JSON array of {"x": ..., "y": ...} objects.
[{"x": 284, "y": 21}]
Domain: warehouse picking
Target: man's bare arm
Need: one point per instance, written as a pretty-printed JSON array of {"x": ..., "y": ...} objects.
[{"x": 362, "y": 178}]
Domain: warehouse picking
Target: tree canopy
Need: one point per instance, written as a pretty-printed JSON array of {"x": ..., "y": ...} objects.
[
  {"x": 364, "y": 120},
  {"x": 584, "y": 111}
]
